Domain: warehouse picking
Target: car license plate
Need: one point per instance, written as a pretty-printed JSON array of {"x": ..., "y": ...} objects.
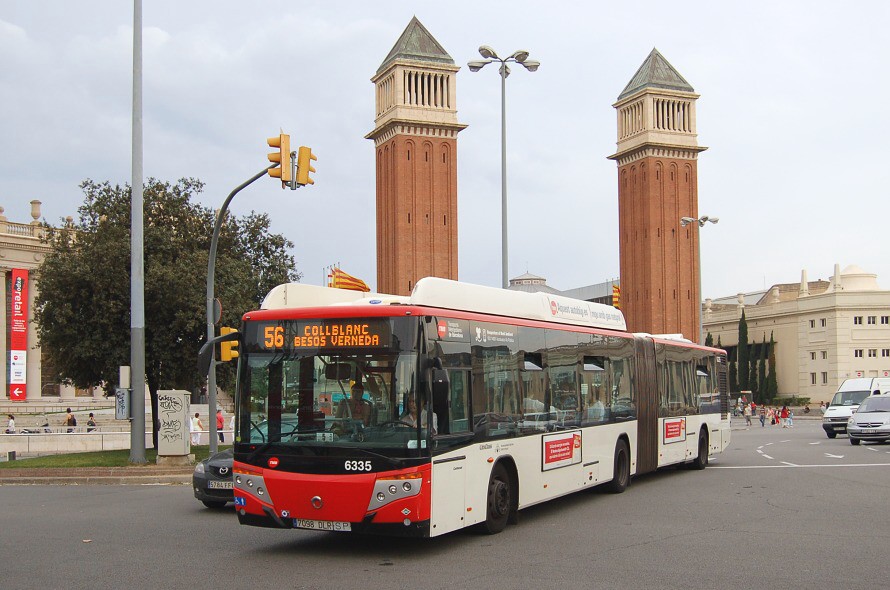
[
  {"x": 869, "y": 430},
  {"x": 322, "y": 525},
  {"x": 220, "y": 485}
]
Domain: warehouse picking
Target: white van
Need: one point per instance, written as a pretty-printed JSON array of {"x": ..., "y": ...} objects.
[{"x": 848, "y": 397}]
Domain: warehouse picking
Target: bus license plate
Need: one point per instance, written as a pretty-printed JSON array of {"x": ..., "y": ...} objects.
[
  {"x": 322, "y": 525},
  {"x": 220, "y": 485}
]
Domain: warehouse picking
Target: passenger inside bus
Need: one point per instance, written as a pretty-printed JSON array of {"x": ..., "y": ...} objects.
[
  {"x": 410, "y": 416},
  {"x": 355, "y": 409}
]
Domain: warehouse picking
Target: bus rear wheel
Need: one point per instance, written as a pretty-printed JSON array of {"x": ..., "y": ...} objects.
[
  {"x": 701, "y": 461},
  {"x": 500, "y": 500},
  {"x": 621, "y": 474}
]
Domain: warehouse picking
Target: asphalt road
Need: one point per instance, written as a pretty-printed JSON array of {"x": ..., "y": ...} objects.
[{"x": 781, "y": 509}]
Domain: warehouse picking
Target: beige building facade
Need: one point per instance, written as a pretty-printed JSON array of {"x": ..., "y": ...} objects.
[
  {"x": 22, "y": 249},
  {"x": 825, "y": 331}
]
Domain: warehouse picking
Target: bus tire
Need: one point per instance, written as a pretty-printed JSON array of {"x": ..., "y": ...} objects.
[
  {"x": 701, "y": 461},
  {"x": 621, "y": 473},
  {"x": 499, "y": 502}
]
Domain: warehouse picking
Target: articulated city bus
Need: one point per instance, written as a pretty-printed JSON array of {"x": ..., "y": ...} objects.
[{"x": 456, "y": 406}]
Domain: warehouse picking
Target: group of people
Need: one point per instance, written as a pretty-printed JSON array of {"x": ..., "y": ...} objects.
[
  {"x": 774, "y": 415},
  {"x": 69, "y": 421},
  {"x": 196, "y": 426},
  {"x": 358, "y": 409}
]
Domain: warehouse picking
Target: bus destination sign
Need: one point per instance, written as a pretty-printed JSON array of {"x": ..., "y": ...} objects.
[{"x": 345, "y": 333}]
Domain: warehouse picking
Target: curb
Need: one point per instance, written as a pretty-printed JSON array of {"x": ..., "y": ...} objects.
[
  {"x": 98, "y": 476},
  {"x": 136, "y": 480}
]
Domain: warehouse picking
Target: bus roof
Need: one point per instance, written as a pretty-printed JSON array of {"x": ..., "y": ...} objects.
[{"x": 447, "y": 294}]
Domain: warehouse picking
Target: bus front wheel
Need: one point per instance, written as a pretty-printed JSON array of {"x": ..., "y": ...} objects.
[
  {"x": 701, "y": 461},
  {"x": 499, "y": 500},
  {"x": 621, "y": 475}
]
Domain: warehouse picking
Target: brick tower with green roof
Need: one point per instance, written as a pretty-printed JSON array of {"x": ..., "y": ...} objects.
[
  {"x": 657, "y": 160},
  {"x": 415, "y": 139}
]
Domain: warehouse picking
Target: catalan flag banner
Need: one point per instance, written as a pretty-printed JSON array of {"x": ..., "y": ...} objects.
[
  {"x": 616, "y": 296},
  {"x": 342, "y": 280}
]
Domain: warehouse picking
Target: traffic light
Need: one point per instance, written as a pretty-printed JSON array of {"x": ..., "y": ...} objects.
[
  {"x": 227, "y": 350},
  {"x": 282, "y": 142},
  {"x": 304, "y": 167}
]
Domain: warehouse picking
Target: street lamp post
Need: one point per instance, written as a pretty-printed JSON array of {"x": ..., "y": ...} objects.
[
  {"x": 701, "y": 221},
  {"x": 520, "y": 57}
]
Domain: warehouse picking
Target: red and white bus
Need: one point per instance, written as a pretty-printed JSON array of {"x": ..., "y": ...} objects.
[{"x": 530, "y": 396}]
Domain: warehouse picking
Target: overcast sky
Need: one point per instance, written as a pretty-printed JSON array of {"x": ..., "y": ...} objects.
[{"x": 791, "y": 109}]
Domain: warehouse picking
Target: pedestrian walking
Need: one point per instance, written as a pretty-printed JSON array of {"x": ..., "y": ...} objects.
[
  {"x": 220, "y": 424},
  {"x": 70, "y": 420},
  {"x": 790, "y": 421},
  {"x": 783, "y": 416},
  {"x": 10, "y": 424},
  {"x": 822, "y": 408},
  {"x": 91, "y": 423},
  {"x": 762, "y": 416},
  {"x": 196, "y": 427},
  {"x": 747, "y": 414}
]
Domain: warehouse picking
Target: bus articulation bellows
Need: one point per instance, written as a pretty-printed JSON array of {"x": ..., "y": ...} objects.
[{"x": 458, "y": 405}]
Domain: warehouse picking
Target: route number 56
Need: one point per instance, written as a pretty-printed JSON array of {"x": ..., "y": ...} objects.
[{"x": 274, "y": 337}]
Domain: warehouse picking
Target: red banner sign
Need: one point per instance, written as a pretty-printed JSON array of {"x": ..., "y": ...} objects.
[{"x": 18, "y": 335}]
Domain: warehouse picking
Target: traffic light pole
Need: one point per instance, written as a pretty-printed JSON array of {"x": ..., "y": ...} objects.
[{"x": 211, "y": 273}]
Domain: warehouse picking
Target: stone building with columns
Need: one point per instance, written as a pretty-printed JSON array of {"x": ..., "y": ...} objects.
[
  {"x": 825, "y": 330},
  {"x": 22, "y": 251}
]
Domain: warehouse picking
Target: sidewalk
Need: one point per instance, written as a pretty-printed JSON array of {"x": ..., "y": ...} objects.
[{"x": 132, "y": 475}]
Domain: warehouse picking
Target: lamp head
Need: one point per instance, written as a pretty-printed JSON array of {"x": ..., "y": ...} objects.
[
  {"x": 487, "y": 52},
  {"x": 519, "y": 56},
  {"x": 684, "y": 221},
  {"x": 714, "y": 219},
  {"x": 531, "y": 65},
  {"x": 475, "y": 66}
]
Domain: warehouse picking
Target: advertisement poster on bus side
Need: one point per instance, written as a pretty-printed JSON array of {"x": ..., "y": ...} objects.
[
  {"x": 18, "y": 335},
  {"x": 674, "y": 430},
  {"x": 561, "y": 449}
]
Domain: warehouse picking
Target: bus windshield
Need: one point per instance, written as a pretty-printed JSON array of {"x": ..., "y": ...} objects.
[{"x": 331, "y": 383}]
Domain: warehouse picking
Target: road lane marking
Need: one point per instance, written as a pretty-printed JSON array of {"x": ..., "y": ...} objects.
[
  {"x": 798, "y": 466},
  {"x": 768, "y": 457},
  {"x": 816, "y": 443},
  {"x": 834, "y": 456},
  {"x": 789, "y": 464}
]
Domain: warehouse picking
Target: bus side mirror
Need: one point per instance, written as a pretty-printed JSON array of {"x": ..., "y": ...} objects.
[{"x": 441, "y": 388}]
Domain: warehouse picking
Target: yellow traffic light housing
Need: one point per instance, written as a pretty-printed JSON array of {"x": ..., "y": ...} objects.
[
  {"x": 227, "y": 349},
  {"x": 304, "y": 166},
  {"x": 282, "y": 157}
]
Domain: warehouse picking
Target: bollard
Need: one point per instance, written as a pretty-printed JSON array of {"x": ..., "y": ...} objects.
[{"x": 10, "y": 455}]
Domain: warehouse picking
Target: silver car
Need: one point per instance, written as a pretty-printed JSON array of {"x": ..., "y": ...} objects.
[{"x": 871, "y": 421}]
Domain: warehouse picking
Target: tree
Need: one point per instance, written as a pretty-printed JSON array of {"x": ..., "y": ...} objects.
[
  {"x": 709, "y": 340},
  {"x": 772, "y": 381},
  {"x": 82, "y": 309},
  {"x": 733, "y": 377},
  {"x": 761, "y": 371},
  {"x": 743, "y": 356}
]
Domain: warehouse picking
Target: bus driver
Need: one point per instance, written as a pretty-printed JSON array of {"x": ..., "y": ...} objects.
[
  {"x": 410, "y": 416},
  {"x": 356, "y": 407}
]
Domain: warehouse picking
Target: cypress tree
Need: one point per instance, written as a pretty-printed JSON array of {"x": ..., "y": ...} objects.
[
  {"x": 733, "y": 377},
  {"x": 744, "y": 369},
  {"x": 761, "y": 372},
  {"x": 772, "y": 380},
  {"x": 709, "y": 340}
]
